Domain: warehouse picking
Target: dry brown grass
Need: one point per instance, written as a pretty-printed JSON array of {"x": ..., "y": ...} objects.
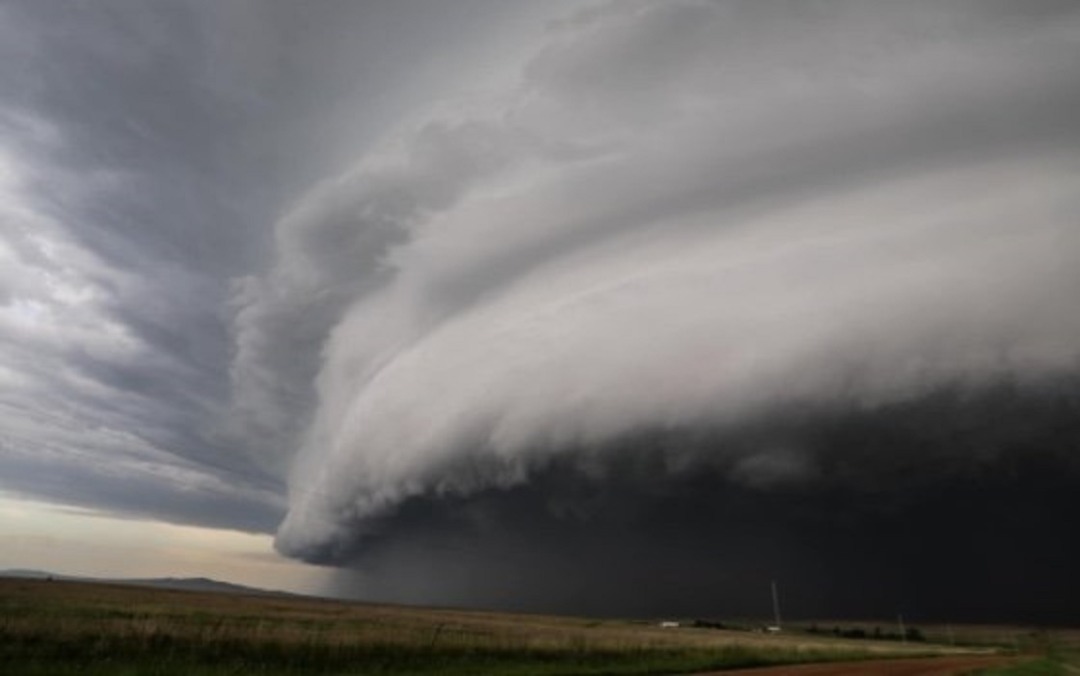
[
  {"x": 103, "y": 619},
  {"x": 65, "y": 607}
]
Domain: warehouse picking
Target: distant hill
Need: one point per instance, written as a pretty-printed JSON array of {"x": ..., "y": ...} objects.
[
  {"x": 38, "y": 574},
  {"x": 195, "y": 584},
  {"x": 201, "y": 584}
]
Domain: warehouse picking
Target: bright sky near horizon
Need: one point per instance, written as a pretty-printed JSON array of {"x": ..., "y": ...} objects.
[{"x": 86, "y": 543}]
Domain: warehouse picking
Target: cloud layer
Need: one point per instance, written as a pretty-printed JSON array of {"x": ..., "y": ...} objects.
[
  {"x": 144, "y": 156},
  {"x": 486, "y": 301},
  {"x": 684, "y": 215}
]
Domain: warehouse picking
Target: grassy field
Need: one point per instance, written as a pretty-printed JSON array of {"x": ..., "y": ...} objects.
[
  {"x": 1044, "y": 651},
  {"x": 1053, "y": 653},
  {"x": 56, "y": 628}
]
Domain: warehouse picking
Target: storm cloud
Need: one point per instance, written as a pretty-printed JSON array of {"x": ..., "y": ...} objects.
[
  {"x": 630, "y": 309},
  {"x": 685, "y": 216},
  {"x": 145, "y": 153}
]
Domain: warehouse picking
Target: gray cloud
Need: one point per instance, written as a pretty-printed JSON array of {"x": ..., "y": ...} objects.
[
  {"x": 918, "y": 508},
  {"x": 690, "y": 226},
  {"x": 517, "y": 281},
  {"x": 121, "y": 173},
  {"x": 145, "y": 153}
]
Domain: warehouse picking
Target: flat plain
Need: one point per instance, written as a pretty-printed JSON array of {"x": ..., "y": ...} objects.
[{"x": 61, "y": 627}]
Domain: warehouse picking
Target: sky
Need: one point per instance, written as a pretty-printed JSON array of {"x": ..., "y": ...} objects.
[{"x": 611, "y": 307}]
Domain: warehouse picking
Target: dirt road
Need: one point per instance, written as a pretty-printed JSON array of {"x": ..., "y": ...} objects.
[{"x": 920, "y": 666}]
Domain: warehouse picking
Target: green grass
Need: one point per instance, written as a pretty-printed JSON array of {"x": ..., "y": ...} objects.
[
  {"x": 165, "y": 654},
  {"x": 60, "y": 629},
  {"x": 1058, "y": 654},
  {"x": 118, "y": 657}
]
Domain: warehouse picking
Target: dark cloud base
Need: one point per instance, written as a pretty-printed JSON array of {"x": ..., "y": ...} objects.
[{"x": 960, "y": 506}]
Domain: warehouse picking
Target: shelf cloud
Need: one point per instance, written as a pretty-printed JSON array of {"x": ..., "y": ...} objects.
[
  {"x": 683, "y": 220},
  {"x": 703, "y": 291}
]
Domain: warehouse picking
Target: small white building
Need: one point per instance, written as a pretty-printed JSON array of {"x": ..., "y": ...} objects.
[{"x": 669, "y": 624}]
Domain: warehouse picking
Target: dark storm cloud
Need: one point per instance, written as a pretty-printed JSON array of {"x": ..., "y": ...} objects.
[
  {"x": 695, "y": 292},
  {"x": 145, "y": 151},
  {"x": 950, "y": 508},
  {"x": 686, "y": 214}
]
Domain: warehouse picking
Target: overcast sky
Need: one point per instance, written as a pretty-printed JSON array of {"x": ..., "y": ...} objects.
[{"x": 476, "y": 301}]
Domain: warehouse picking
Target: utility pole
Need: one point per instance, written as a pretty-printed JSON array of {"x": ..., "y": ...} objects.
[{"x": 776, "y": 605}]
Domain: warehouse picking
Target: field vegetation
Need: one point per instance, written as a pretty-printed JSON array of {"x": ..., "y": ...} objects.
[
  {"x": 1042, "y": 651},
  {"x": 57, "y": 628}
]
